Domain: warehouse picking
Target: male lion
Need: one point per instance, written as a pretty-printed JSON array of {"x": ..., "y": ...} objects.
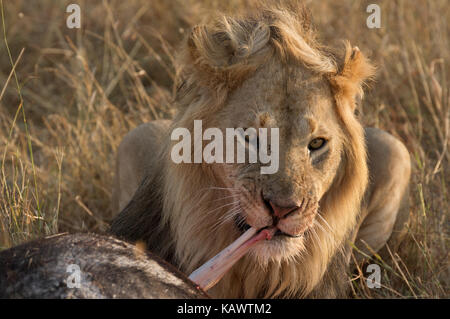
[{"x": 267, "y": 70}]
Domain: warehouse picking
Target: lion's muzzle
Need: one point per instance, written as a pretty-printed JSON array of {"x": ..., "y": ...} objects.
[
  {"x": 298, "y": 220},
  {"x": 290, "y": 214}
]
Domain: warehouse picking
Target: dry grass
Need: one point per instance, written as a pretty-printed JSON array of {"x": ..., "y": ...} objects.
[{"x": 67, "y": 97}]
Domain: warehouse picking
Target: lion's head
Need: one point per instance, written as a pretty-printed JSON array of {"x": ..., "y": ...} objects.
[{"x": 267, "y": 70}]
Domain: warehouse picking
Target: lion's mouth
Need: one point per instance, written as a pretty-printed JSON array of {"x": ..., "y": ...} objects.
[
  {"x": 213, "y": 270},
  {"x": 242, "y": 226},
  {"x": 282, "y": 233}
]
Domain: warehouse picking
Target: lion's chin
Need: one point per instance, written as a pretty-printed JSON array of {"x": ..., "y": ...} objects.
[{"x": 277, "y": 249}]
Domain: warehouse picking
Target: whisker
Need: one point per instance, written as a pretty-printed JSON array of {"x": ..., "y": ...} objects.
[
  {"x": 218, "y": 199},
  {"x": 328, "y": 231},
  {"x": 203, "y": 194},
  {"x": 217, "y": 208},
  {"x": 325, "y": 222},
  {"x": 315, "y": 236},
  {"x": 222, "y": 188},
  {"x": 230, "y": 215},
  {"x": 222, "y": 220},
  {"x": 317, "y": 223}
]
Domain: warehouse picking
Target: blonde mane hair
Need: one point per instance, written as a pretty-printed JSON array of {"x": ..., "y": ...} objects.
[{"x": 216, "y": 59}]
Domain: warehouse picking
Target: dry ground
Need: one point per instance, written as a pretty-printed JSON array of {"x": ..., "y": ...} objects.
[{"x": 73, "y": 94}]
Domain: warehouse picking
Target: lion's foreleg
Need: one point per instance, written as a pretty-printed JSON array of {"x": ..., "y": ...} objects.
[{"x": 385, "y": 205}]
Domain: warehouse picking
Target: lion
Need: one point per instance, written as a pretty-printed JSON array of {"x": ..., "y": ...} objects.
[{"x": 339, "y": 185}]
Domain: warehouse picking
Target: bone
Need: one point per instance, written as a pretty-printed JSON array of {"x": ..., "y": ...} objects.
[{"x": 207, "y": 275}]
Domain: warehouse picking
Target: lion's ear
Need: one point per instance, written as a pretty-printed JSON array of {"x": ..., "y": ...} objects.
[
  {"x": 354, "y": 72},
  {"x": 227, "y": 43}
]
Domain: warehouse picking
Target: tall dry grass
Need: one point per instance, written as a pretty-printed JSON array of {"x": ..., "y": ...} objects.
[{"x": 68, "y": 96}]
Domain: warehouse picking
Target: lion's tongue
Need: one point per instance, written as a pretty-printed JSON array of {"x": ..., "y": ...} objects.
[{"x": 214, "y": 269}]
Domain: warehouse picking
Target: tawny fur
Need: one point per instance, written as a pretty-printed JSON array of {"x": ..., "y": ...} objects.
[{"x": 176, "y": 206}]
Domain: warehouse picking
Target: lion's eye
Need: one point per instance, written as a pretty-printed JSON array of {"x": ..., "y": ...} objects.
[{"x": 317, "y": 144}]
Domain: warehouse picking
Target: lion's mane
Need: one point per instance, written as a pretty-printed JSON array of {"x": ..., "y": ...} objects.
[{"x": 172, "y": 210}]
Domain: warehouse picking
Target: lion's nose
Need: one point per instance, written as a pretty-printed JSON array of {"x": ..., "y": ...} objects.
[{"x": 281, "y": 208}]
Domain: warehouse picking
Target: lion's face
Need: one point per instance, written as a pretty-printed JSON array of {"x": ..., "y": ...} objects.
[{"x": 301, "y": 105}]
